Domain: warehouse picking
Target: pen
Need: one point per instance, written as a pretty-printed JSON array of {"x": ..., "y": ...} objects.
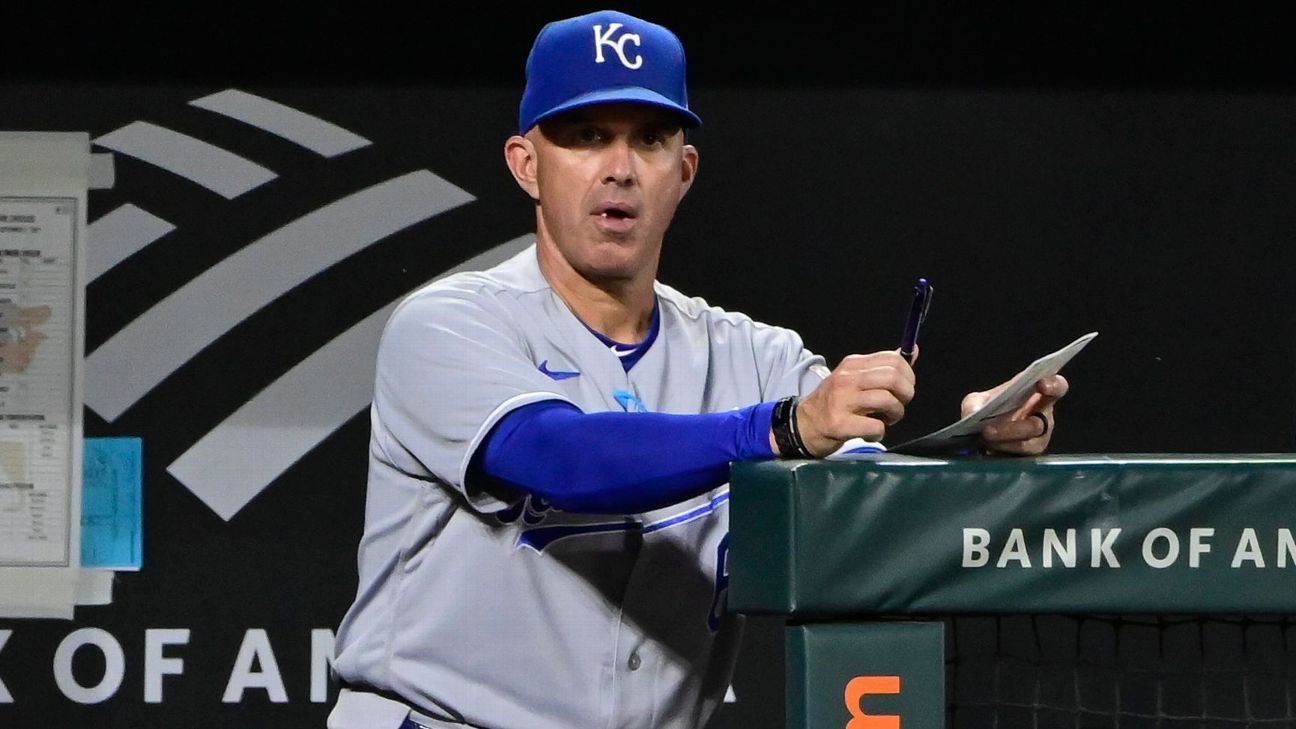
[{"x": 917, "y": 315}]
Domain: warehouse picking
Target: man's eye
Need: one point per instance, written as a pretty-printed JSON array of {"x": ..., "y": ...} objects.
[
  {"x": 587, "y": 135},
  {"x": 653, "y": 138}
]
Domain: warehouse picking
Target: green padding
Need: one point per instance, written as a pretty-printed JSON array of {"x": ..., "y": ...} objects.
[
  {"x": 900, "y": 535},
  {"x": 834, "y": 671}
]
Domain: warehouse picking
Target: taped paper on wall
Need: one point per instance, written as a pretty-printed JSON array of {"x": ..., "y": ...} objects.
[
  {"x": 43, "y": 183},
  {"x": 112, "y": 504}
]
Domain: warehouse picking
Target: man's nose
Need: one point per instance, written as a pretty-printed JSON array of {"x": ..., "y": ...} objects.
[{"x": 619, "y": 165}]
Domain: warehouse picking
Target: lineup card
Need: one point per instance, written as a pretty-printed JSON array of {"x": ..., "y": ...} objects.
[
  {"x": 1019, "y": 389},
  {"x": 37, "y": 322}
]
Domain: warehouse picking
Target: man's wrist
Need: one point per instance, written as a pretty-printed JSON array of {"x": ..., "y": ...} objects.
[{"x": 784, "y": 433}]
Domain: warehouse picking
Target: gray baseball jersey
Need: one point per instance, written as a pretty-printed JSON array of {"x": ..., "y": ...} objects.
[{"x": 516, "y": 615}]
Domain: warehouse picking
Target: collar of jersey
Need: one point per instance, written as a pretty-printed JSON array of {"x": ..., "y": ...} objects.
[{"x": 629, "y": 354}]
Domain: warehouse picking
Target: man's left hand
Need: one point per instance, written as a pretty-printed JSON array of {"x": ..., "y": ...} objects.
[{"x": 1027, "y": 430}]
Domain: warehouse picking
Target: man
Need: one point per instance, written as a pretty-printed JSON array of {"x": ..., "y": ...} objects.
[{"x": 547, "y": 498}]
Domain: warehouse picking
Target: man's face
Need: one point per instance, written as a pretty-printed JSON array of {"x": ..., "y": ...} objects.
[{"x": 608, "y": 179}]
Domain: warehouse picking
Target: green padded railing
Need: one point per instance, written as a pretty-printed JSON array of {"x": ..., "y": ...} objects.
[{"x": 891, "y": 534}]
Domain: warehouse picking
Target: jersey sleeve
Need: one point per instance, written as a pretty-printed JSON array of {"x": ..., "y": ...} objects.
[
  {"x": 450, "y": 365},
  {"x": 791, "y": 368},
  {"x": 796, "y": 370}
]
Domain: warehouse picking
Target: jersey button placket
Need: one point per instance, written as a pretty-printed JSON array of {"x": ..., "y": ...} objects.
[{"x": 636, "y": 705}]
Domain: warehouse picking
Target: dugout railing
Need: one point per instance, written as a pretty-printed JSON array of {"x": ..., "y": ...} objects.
[{"x": 1067, "y": 591}]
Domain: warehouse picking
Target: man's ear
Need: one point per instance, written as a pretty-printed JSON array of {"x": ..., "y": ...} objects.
[
  {"x": 690, "y": 168},
  {"x": 520, "y": 155}
]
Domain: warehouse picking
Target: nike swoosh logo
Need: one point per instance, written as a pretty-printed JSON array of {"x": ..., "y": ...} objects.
[{"x": 556, "y": 374}]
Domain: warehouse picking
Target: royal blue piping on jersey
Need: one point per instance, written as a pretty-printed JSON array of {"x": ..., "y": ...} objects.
[
  {"x": 619, "y": 463},
  {"x": 539, "y": 538},
  {"x": 631, "y": 353},
  {"x": 688, "y": 515}
]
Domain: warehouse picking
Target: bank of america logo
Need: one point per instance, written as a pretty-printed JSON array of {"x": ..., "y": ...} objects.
[{"x": 243, "y": 455}]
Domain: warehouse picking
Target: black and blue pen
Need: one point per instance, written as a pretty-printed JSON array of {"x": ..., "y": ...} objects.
[{"x": 917, "y": 315}]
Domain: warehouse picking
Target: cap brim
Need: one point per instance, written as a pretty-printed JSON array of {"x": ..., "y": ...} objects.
[{"x": 624, "y": 94}]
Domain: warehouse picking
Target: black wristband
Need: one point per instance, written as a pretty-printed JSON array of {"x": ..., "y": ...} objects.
[
  {"x": 786, "y": 436},
  {"x": 796, "y": 435}
]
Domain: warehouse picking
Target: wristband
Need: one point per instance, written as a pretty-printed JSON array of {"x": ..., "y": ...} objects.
[{"x": 786, "y": 436}]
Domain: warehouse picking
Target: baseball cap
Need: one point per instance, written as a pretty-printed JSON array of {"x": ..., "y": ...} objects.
[{"x": 601, "y": 58}]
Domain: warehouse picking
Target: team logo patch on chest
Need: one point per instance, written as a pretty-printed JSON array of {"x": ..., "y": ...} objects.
[{"x": 629, "y": 401}]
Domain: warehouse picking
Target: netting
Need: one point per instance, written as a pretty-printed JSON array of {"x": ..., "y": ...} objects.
[{"x": 1044, "y": 672}]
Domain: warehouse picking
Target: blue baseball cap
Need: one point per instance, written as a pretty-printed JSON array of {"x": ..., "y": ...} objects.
[{"x": 602, "y": 58}]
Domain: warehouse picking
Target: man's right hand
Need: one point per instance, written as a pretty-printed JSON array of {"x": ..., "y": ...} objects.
[{"x": 858, "y": 399}]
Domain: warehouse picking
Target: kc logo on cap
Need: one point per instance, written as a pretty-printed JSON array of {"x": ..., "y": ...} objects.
[
  {"x": 601, "y": 39},
  {"x": 602, "y": 58}
]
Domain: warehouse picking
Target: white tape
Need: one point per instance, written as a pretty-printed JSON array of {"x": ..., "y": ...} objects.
[{"x": 103, "y": 174}]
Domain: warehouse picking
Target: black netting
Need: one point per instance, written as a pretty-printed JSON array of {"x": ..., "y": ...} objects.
[{"x": 1068, "y": 672}]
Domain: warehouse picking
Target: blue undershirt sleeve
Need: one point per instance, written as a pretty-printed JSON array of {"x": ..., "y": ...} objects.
[{"x": 618, "y": 463}]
